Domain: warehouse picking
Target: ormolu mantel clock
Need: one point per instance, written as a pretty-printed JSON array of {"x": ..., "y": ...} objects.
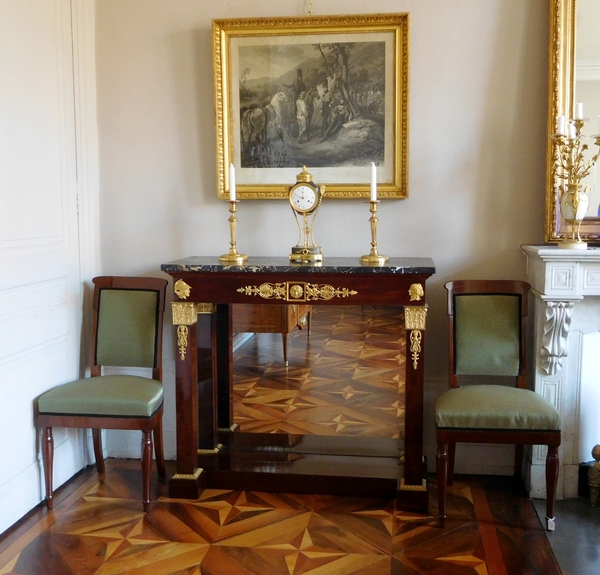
[{"x": 305, "y": 198}]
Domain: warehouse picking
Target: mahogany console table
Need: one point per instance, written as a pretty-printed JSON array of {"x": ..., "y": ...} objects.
[{"x": 211, "y": 453}]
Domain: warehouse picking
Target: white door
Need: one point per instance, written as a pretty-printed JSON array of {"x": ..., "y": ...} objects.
[{"x": 40, "y": 278}]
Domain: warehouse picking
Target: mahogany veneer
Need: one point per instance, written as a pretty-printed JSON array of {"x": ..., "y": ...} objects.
[{"x": 207, "y": 448}]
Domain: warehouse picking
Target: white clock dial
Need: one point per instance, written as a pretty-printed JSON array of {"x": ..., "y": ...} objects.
[{"x": 303, "y": 198}]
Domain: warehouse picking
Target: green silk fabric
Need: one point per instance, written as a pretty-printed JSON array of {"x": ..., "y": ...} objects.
[
  {"x": 487, "y": 334},
  {"x": 495, "y": 407},
  {"x": 106, "y": 395},
  {"x": 127, "y": 328}
]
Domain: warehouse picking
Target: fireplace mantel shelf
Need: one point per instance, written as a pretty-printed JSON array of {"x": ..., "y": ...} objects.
[{"x": 561, "y": 277}]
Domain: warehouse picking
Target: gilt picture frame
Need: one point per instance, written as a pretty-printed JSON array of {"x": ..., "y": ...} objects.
[{"x": 326, "y": 92}]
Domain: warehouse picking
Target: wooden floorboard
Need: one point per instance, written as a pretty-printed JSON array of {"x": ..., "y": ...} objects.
[{"x": 99, "y": 528}]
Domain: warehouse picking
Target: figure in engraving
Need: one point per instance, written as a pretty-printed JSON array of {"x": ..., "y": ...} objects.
[{"x": 302, "y": 117}]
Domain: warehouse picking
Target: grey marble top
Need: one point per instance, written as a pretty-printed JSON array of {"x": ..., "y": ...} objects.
[{"x": 283, "y": 265}]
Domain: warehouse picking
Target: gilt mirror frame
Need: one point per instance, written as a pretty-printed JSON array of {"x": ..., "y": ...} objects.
[{"x": 563, "y": 30}]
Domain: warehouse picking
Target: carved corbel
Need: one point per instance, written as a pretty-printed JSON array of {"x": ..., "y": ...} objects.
[
  {"x": 184, "y": 315},
  {"x": 555, "y": 335},
  {"x": 415, "y": 318}
]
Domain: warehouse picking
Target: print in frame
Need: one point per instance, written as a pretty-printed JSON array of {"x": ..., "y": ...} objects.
[{"x": 328, "y": 92}]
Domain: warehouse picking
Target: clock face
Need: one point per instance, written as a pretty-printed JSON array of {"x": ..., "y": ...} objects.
[{"x": 303, "y": 198}]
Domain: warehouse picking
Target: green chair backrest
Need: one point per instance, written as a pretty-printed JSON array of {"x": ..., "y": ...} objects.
[
  {"x": 487, "y": 334},
  {"x": 127, "y": 327}
]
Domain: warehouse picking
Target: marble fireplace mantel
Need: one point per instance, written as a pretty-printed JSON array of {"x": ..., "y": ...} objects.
[{"x": 566, "y": 287}]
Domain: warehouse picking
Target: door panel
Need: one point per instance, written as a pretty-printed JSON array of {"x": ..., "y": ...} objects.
[{"x": 40, "y": 285}]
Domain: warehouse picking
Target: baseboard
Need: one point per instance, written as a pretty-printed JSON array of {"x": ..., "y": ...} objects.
[
  {"x": 23, "y": 491},
  {"x": 126, "y": 444}
]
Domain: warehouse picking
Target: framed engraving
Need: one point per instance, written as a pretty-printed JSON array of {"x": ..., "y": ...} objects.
[{"x": 326, "y": 92}]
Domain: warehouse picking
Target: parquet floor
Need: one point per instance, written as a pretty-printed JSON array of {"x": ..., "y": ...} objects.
[
  {"x": 346, "y": 378},
  {"x": 98, "y": 528}
]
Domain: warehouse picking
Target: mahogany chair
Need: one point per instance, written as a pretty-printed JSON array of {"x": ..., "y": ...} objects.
[
  {"x": 127, "y": 331},
  {"x": 487, "y": 320}
]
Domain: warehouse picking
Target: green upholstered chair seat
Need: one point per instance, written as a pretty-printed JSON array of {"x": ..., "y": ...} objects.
[
  {"x": 495, "y": 407},
  {"x": 106, "y": 395}
]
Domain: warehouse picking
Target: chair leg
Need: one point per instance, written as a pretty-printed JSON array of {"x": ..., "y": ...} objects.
[
  {"x": 97, "y": 438},
  {"x": 158, "y": 448},
  {"x": 551, "y": 485},
  {"x": 146, "y": 467},
  {"x": 518, "y": 469},
  {"x": 451, "y": 457},
  {"x": 48, "y": 460},
  {"x": 442, "y": 479}
]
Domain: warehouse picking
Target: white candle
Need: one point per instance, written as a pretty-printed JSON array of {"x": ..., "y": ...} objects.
[
  {"x": 572, "y": 132},
  {"x": 373, "y": 182},
  {"x": 231, "y": 183},
  {"x": 579, "y": 111},
  {"x": 598, "y": 132},
  {"x": 562, "y": 125}
]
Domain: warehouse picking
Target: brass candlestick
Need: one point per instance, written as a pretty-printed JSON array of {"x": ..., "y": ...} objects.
[
  {"x": 373, "y": 258},
  {"x": 233, "y": 257}
]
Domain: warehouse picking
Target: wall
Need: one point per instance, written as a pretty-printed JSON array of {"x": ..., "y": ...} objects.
[{"x": 478, "y": 90}]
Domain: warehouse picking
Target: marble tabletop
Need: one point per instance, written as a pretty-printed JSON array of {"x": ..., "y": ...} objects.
[{"x": 336, "y": 265}]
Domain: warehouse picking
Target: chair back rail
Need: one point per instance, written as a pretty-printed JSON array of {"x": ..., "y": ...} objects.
[
  {"x": 496, "y": 296},
  {"x": 151, "y": 297}
]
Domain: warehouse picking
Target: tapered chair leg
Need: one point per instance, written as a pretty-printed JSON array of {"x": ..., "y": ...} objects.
[
  {"x": 518, "y": 461},
  {"x": 97, "y": 440},
  {"x": 551, "y": 485},
  {"x": 158, "y": 448},
  {"x": 48, "y": 460},
  {"x": 451, "y": 458},
  {"x": 442, "y": 479},
  {"x": 518, "y": 470},
  {"x": 146, "y": 467}
]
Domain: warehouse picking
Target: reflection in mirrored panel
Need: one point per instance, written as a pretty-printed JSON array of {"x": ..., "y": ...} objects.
[
  {"x": 587, "y": 85},
  {"x": 345, "y": 378}
]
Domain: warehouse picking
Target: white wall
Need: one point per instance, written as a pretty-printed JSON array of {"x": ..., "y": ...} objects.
[{"x": 478, "y": 90}]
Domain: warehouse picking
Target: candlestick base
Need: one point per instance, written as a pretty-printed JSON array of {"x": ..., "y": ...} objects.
[
  {"x": 233, "y": 259},
  {"x": 570, "y": 245},
  {"x": 374, "y": 260}
]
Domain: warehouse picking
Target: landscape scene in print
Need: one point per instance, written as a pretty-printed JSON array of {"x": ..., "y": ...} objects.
[{"x": 321, "y": 105}]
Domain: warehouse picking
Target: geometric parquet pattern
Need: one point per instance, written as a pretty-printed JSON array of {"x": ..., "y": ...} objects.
[
  {"x": 346, "y": 378},
  {"x": 100, "y": 529}
]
